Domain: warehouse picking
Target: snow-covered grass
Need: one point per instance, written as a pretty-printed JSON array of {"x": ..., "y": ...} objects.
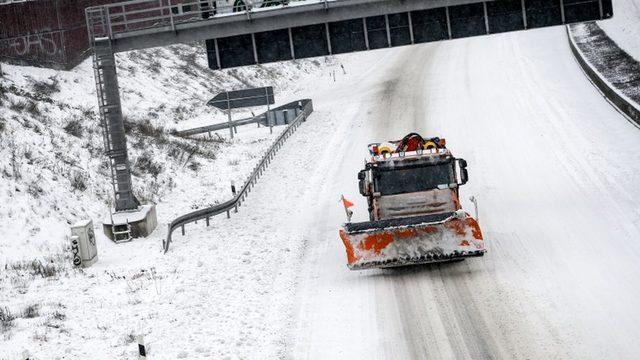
[
  {"x": 54, "y": 173},
  {"x": 51, "y": 158},
  {"x": 624, "y": 27}
]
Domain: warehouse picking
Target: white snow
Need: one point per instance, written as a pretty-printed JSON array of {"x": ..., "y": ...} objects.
[
  {"x": 624, "y": 27},
  {"x": 554, "y": 166}
]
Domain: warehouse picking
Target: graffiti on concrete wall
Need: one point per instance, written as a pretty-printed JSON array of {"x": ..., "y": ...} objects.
[{"x": 31, "y": 45}]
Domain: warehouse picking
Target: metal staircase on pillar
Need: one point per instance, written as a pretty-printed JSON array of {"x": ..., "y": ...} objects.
[{"x": 110, "y": 110}]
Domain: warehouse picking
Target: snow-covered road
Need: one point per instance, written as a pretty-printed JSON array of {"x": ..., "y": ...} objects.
[{"x": 555, "y": 169}]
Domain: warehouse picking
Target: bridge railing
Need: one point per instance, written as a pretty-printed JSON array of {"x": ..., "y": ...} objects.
[
  {"x": 128, "y": 16},
  {"x": 305, "y": 107}
]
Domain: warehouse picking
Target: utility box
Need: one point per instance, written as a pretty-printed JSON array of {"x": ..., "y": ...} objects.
[{"x": 83, "y": 244}]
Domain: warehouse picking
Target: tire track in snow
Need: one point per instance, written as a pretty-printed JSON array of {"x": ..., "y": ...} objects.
[{"x": 454, "y": 315}]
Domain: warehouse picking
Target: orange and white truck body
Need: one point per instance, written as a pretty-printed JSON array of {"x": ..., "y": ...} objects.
[{"x": 414, "y": 209}]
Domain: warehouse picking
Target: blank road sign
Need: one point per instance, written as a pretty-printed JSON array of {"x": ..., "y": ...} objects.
[{"x": 243, "y": 98}]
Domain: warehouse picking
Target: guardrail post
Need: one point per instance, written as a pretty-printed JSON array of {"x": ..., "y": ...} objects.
[
  {"x": 524, "y": 13},
  {"x": 182, "y": 230},
  {"x": 207, "y": 221},
  {"x": 108, "y": 23},
  {"x": 173, "y": 25},
  {"x": 228, "y": 214},
  {"x": 229, "y": 116},
  {"x": 448, "y": 22},
  {"x": 410, "y": 29},
  {"x": 168, "y": 240},
  {"x": 124, "y": 17}
]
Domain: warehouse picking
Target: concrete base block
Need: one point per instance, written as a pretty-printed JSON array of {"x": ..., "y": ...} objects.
[{"x": 124, "y": 226}]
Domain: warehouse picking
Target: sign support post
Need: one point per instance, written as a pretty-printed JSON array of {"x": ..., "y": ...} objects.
[
  {"x": 229, "y": 115},
  {"x": 266, "y": 93}
]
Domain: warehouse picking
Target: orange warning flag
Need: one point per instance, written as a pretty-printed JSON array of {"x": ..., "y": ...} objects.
[{"x": 347, "y": 203}]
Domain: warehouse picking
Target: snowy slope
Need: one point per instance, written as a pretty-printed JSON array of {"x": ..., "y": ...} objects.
[
  {"x": 624, "y": 27},
  {"x": 51, "y": 154}
]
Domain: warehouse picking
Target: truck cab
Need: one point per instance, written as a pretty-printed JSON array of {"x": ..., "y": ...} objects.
[{"x": 411, "y": 184}]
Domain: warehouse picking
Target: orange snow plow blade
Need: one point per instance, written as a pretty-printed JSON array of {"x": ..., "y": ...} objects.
[{"x": 413, "y": 240}]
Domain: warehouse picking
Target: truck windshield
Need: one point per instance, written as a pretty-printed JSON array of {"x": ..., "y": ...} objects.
[{"x": 408, "y": 180}]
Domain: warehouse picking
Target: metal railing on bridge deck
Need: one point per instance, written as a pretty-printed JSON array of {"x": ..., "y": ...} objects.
[
  {"x": 238, "y": 199},
  {"x": 130, "y": 16}
]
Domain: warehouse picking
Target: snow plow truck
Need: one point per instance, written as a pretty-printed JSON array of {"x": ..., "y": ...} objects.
[{"x": 412, "y": 190}]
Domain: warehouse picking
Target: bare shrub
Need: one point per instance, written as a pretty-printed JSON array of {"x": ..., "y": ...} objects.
[
  {"x": 34, "y": 189},
  {"x": 42, "y": 337},
  {"x": 28, "y": 155},
  {"x": 139, "y": 143},
  {"x": 150, "y": 192},
  {"x": 179, "y": 112},
  {"x": 73, "y": 127},
  {"x": 31, "y": 311},
  {"x": 145, "y": 164},
  {"x": 194, "y": 166},
  {"x": 190, "y": 66},
  {"x": 155, "y": 66},
  {"x": 78, "y": 181},
  {"x": 144, "y": 127},
  {"x": 6, "y": 319},
  {"x": 36, "y": 267},
  {"x": 29, "y": 106},
  {"x": 129, "y": 338},
  {"x": 57, "y": 315},
  {"x": 88, "y": 113},
  {"x": 15, "y": 164},
  {"x": 46, "y": 88},
  {"x": 32, "y": 108},
  {"x": 18, "y": 106},
  {"x": 128, "y": 125},
  {"x": 190, "y": 149}
]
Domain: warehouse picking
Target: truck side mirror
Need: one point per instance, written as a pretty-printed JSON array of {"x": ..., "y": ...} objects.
[
  {"x": 362, "y": 182},
  {"x": 462, "y": 168}
]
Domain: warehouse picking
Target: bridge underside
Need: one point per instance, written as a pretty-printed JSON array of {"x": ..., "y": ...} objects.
[{"x": 397, "y": 29}]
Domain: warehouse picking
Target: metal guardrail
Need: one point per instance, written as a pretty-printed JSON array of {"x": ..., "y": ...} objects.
[
  {"x": 236, "y": 201},
  {"x": 221, "y": 126},
  {"x": 275, "y": 114}
]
